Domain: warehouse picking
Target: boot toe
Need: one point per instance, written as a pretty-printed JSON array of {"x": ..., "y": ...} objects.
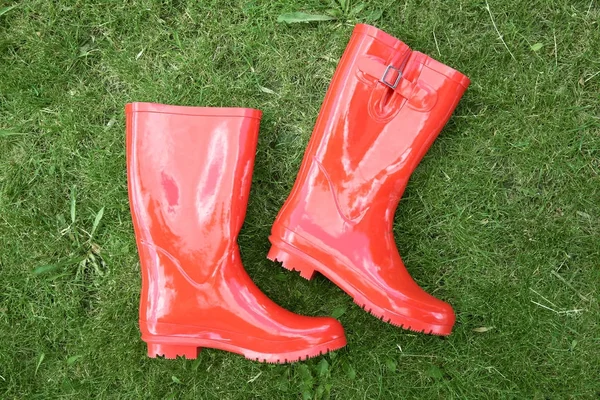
[
  {"x": 321, "y": 331},
  {"x": 443, "y": 314},
  {"x": 434, "y": 316},
  {"x": 332, "y": 329},
  {"x": 422, "y": 313},
  {"x": 315, "y": 336}
]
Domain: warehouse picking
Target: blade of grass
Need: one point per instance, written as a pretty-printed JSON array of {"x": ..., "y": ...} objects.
[
  {"x": 6, "y": 9},
  {"x": 96, "y": 222},
  {"x": 40, "y": 360},
  {"x": 297, "y": 17},
  {"x": 6, "y": 133},
  {"x": 73, "y": 205},
  {"x": 42, "y": 269},
  {"x": 487, "y": 7}
]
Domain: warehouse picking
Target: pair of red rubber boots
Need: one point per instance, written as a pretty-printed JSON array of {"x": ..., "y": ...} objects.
[{"x": 189, "y": 174}]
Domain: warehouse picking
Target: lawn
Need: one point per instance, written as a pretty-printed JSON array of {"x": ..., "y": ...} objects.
[{"x": 501, "y": 219}]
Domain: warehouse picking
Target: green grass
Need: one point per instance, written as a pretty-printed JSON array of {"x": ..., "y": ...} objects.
[{"x": 503, "y": 212}]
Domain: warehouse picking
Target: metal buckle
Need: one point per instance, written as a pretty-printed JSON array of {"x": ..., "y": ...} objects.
[{"x": 391, "y": 86}]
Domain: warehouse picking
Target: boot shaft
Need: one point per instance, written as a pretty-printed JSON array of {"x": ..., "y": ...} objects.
[
  {"x": 189, "y": 173},
  {"x": 385, "y": 106}
]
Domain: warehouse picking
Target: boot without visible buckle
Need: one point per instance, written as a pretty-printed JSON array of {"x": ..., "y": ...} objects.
[
  {"x": 385, "y": 106},
  {"x": 189, "y": 171}
]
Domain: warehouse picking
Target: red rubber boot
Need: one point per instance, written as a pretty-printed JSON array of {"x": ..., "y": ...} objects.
[
  {"x": 189, "y": 172},
  {"x": 385, "y": 106}
]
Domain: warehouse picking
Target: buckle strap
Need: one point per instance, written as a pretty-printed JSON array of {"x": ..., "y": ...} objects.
[
  {"x": 419, "y": 95},
  {"x": 388, "y": 75},
  {"x": 385, "y": 74}
]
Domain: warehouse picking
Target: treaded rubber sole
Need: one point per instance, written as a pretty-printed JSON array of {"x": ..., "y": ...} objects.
[
  {"x": 172, "y": 347},
  {"x": 294, "y": 259}
]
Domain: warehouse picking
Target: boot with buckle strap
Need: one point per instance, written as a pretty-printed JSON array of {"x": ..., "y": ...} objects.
[{"x": 385, "y": 106}]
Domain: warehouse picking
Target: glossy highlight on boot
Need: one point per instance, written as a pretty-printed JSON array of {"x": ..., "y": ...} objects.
[
  {"x": 189, "y": 172},
  {"x": 385, "y": 106}
]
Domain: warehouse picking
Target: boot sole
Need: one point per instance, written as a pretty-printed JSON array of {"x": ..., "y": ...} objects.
[
  {"x": 293, "y": 259},
  {"x": 173, "y": 347}
]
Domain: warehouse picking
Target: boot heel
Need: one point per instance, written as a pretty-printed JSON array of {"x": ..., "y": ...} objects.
[
  {"x": 291, "y": 260},
  {"x": 171, "y": 351}
]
